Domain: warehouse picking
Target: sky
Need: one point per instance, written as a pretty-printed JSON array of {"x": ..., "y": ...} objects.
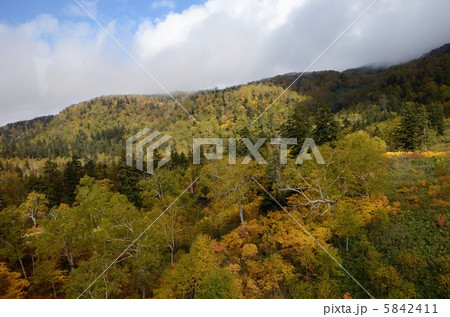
[{"x": 52, "y": 54}]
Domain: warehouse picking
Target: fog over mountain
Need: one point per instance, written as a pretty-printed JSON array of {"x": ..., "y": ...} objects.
[{"x": 55, "y": 60}]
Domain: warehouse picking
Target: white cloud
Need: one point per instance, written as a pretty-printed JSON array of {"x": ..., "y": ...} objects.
[
  {"x": 163, "y": 4},
  {"x": 50, "y": 63},
  {"x": 40, "y": 66},
  {"x": 230, "y": 42}
]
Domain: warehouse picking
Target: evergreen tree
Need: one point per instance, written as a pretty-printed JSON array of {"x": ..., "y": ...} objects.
[
  {"x": 376, "y": 132},
  {"x": 436, "y": 117},
  {"x": 327, "y": 129},
  {"x": 90, "y": 169},
  {"x": 297, "y": 126},
  {"x": 127, "y": 179},
  {"x": 347, "y": 124},
  {"x": 71, "y": 177},
  {"x": 178, "y": 160},
  {"x": 51, "y": 183},
  {"x": 413, "y": 131}
]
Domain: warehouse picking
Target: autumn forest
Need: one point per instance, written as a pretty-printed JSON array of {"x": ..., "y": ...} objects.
[{"x": 379, "y": 206}]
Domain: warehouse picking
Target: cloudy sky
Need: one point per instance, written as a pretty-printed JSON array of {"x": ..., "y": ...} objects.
[{"x": 53, "y": 55}]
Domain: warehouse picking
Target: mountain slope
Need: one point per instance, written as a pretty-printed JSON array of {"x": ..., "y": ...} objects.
[{"x": 102, "y": 124}]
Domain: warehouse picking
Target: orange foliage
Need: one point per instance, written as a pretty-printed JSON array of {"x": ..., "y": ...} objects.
[
  {"x": 442, "y": 220},
  {"x": 347, "y": 296},
  {"x": 218, "y": 248}
]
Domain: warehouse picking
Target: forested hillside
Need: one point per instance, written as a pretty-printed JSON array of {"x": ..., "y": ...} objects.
[
  {"x": 69, "y": 205},
  {"x": 373, "y": 100}
]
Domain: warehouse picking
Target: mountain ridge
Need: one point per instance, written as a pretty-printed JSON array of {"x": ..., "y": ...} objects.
[{"x": 105, "y": 121}]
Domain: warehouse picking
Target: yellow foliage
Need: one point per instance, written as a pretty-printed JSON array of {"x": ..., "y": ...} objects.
[
  {"x": 11, "y": 285},
  {"x": 404, "y": 190},
  {"x": 251, "y": 289},
  {"x": 442, "y": 202},
  {"x": 364, "y": 207},
  {"x": 434, "y": 191},
  {"x": 413, "y": 198},
  {"x": 252, "y": 209},
  {"x": 236, "y": 239},
  {"x": 234, "y": 269},
  {"x": 322, "y": 235},
  {"x": 249, "y": 250},
  {"x": 426, "y": 154},
  {"x": 269, "y": 274}
]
